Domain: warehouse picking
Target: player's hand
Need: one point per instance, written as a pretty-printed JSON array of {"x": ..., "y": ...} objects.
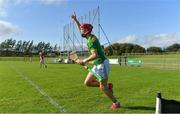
[
  {"x": 81, "y": 62},
  {"x": 73, "y": 17},
  {"x": 91, "y": 62}
]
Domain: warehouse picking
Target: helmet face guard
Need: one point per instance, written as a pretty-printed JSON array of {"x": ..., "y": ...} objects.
[{"x": 86, "y": 29}]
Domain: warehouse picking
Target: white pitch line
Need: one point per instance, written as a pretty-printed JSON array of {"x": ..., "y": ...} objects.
[{"x": 42, "y": 92}]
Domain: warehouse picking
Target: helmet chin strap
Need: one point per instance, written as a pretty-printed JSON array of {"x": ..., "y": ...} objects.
[{"x": 84, "y": 35}]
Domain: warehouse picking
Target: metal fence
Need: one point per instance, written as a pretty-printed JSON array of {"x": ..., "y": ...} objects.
[
  {"x": 161, "y": 63},
  {"x": 166, "y": 60}
]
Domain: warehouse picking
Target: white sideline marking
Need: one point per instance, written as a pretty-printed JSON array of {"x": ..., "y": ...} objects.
[{"x": 48, "y": 98}]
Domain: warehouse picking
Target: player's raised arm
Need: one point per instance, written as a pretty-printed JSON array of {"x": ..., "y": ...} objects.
[{"x": 76, "y": 21}]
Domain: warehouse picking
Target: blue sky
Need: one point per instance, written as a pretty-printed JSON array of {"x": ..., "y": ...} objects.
[{"x": 144, "y": 22}]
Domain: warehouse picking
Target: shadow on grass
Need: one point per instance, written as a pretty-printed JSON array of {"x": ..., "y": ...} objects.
[{"x": 140, "y": 108}]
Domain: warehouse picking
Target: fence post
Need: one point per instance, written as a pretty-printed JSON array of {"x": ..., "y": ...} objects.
[
  {"x": 119, "y": 60},
  {"x": 125, "y": 59}
]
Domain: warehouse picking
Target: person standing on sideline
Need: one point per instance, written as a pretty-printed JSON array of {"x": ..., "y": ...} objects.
[
  {"x": 42, "y": 58},
  {"x": 101, "y": 63}
]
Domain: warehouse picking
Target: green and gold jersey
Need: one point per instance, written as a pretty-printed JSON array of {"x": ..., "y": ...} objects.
[{"x": 94, "y": 44}]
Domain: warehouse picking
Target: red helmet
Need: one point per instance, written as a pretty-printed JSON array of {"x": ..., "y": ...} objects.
[{"x": 88, "y": 27}]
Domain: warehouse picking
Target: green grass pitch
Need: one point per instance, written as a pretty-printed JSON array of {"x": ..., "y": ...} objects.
[{"x": 26, "y": 88}]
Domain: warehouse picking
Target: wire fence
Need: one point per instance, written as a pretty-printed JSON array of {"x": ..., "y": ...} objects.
[{"x": 159, "y": 61}]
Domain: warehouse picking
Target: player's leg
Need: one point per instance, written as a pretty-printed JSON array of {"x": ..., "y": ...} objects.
[
  {"x": 45, "y": 65},
  {"x": 43, "y": 62},
  {"x": 91, "y": 80},
  {"x": 104, "y": 87},
  {"x": 40, "y": 63},
  {"x": 103, "y": 70}
]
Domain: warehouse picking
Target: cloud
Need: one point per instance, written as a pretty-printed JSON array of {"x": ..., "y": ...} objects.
[
  {"x": 160, "y": 40},
  {"x": 45, "y": 2},
  {"x": 7, "y": 28},
  {"x": 50, "y": 2},
  {"x": 3, "y": 5},
  {"x": 129, "y": 39},
  {"x": 19, "y": 2}
]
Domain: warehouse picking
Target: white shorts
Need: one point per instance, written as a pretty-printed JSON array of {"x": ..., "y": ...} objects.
[{"x": 102, "y": 69}]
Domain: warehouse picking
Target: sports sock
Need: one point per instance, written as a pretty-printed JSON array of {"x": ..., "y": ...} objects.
[{"x": 116, "y": 101}]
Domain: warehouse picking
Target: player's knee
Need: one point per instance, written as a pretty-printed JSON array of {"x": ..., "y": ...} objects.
[
  {"x": 103, "y": 88},
  {"x": 87, "y": 83}
]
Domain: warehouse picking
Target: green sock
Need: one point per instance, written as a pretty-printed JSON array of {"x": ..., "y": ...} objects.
[{"x": 115, "y": 101}]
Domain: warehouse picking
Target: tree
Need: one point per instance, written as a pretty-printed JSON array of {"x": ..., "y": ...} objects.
[
  {"x": 48, "y": 47},
  {"x": 118, "y": 49},
  {"x": 9, "y": 43},
  {"x": 128, "y": 47},
  {"x": 18, "y": 46},
  {"x": 9, "y": 47},
  {"x": 30, "y": 48},
  {"x": 40, "y": 46},
  {"x": 55, "y": 48},
  {"x": 173, "y": 48},
  {"x": 138, "y": 49},
  {"x": 154, "y": 50},
  {"x": 109, "y": 50}
]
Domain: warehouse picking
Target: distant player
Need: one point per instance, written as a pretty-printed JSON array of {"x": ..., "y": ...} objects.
[
  {"x": 42, "y": 59},
  {"x": 101, "y": 63}
]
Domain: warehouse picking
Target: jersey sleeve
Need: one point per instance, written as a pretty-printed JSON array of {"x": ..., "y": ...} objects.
[{"x": 93, "y": 44}]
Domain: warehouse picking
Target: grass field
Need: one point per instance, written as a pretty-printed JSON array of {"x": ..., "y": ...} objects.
[{"x": 26, "y": 88}]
